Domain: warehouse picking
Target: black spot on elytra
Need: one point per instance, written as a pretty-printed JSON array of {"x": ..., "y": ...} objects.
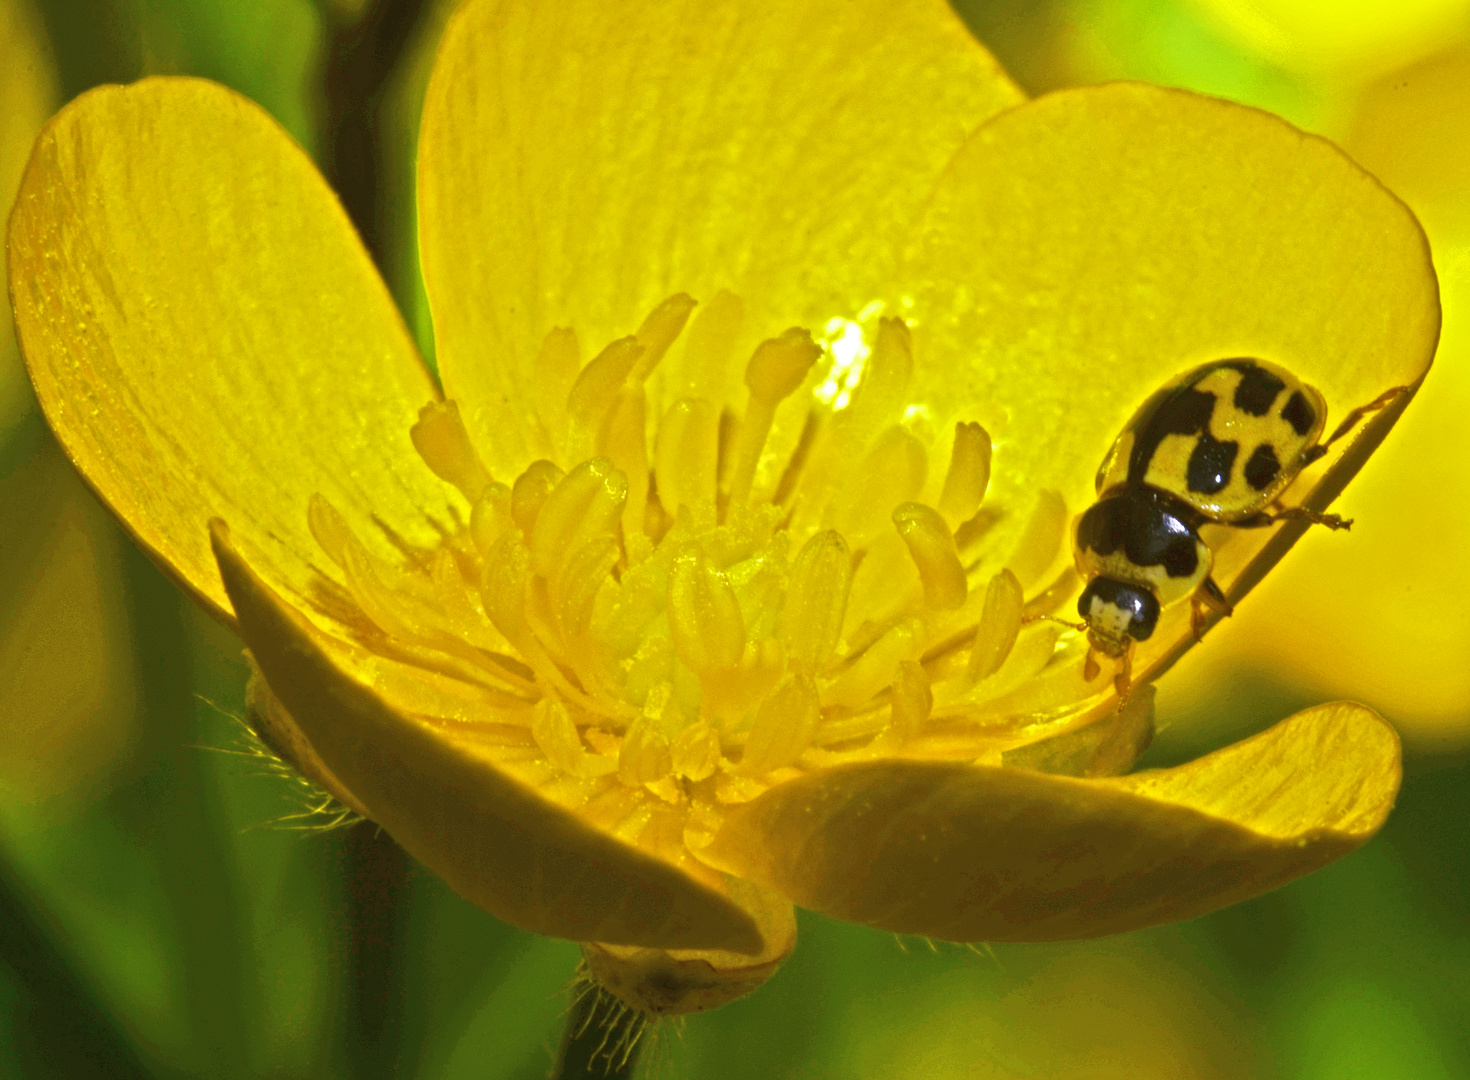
[
  {"x": 1262, "y": 468},
  {"x": 1210, "y": 464},
  {"x": 1258, "y": 389},
  {"x": 1185, "y": 411},
  {"x": 1151, "y": 528},
  {"x": 1299, "y": 413}
]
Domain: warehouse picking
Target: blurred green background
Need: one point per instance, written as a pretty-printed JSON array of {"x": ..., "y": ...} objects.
[{"x": 153, "y": 922}]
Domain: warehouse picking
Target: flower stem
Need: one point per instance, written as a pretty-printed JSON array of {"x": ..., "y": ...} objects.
[
  {"x": 362, "y": 55},
  {"x": 600, "y": 1040},
  {"x": 363, "y": 52},
  {"x": 377, "y": 893}
]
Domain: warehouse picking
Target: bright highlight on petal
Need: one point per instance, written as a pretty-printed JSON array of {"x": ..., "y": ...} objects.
[{"x": 579, "y": 162}]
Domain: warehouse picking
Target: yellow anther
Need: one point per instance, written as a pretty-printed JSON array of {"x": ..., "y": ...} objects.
[
  {"x": 328, "y": 527},
  {"x": 705, "y": 368},
  {"x": 645, "y": 756},
  {"x": 816, "y": 601},
  {"x": 704, "y": 615},
  {"x": 531, "y": 490},
  {"x": 1041, "y": 540},
  {"x": 932, "y": 546},
  {"x": 876, "y": 667},
  {"x": 391, "y": 611},
  {"x": 686, "y": 458},
  {"x": 503, "y": 588},
  {"x": 777, "y": 368},
  {"x": 892, "y": 472},
  {"x": 968, "y": 476},
  {"x": 442, "y": 441},
  {"x": 663, "y": 325},
  {"x": 587, "y": 503},
  {"x": 624, "y": 441},
  {"x": 912, "y": 700},
  {"x": 491, "y": 516},
  {"x": 780, "y": 365},
  {"x": 575, "y": 588},
  {"x": 552, "y": 376},
  {"x": 731, "y": 694},
  {"x": 783, "y": 728},
  {"x": 593, "y": 395},
  {"x": 696, "y": 751},
  {"x": 882, "y": 394},
  {"x": 1000, "y": 622},
  {"x": 658, "y": 700},
  {"x": 557, "y": 738}
]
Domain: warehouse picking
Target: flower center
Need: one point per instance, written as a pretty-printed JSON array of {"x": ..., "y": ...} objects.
[{"x": 659, "y": 619}]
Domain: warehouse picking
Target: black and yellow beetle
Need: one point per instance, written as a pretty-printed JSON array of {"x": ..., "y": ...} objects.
[{"x": 1219, "y": 444}]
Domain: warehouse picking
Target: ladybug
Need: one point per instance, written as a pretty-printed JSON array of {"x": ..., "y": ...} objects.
[{"x": 1217, "y": 445}]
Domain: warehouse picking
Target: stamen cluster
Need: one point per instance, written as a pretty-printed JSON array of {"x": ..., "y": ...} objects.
[{"x": 656, "y": 621}]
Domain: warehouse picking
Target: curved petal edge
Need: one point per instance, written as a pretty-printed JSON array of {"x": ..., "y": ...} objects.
[
  {"x": 977, "y": 853},
  {"x": 208, "y": 337}
]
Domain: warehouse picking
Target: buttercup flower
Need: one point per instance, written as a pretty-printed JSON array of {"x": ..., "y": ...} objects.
[{"x": 664, "y": 615}]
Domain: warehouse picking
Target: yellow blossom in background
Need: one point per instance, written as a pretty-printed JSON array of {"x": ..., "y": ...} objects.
[
  {"x": 1341, "y": 40},
  {"x": 776, "y": 355},
  {"x": 66, "y": 684},
  {"x": 27, "y": 98}
]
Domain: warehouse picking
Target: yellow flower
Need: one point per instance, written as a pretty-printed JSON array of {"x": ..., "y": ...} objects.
[{"x": 663, "y": 617}]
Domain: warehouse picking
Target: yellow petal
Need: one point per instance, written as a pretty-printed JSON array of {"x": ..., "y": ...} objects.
[
  {"x": 432, "y": 784},
  {"x": 578, "y": 163},
  {"x": 27, "y": 96},
  {"x": 208, "y": 336},
  {"x": 1084, "y": 248},
  {"x": 975, "y": 853}
]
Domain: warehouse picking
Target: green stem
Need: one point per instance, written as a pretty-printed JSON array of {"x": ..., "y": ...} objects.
[
  {"x": 377, "y": 893},
  {"x": 599, "y": 1041},
  {"x": 362, "y": 55}
]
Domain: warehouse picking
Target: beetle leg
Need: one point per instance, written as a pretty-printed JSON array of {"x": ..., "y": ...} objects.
[
  {"x": 1207, "y": 596},
  {"x": 1292, "y": 513},
  {"x": 1350, "y": 421},
  {"x": 1123, "y": 680},
  {"x": 1091, "y": 667},
  {"x": 1301, "y": 513}
]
